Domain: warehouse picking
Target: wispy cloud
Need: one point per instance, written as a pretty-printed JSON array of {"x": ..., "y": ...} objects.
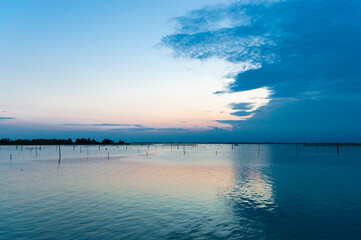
[
  {"x": 214, "y": 32},
  {"x": 145, "y": 129},
  {"x": 125, "y": 127},
  {"x": 105, "y": 125},
  {"x": 6, "y": 118}
]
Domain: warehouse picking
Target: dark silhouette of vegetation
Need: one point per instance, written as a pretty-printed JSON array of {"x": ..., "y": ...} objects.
[
  {"x": 78, "y": 141},
  {"x": 107, "y": 141}
]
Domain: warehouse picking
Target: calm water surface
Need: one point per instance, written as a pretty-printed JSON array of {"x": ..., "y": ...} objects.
[{"x": 180, "y": 192}]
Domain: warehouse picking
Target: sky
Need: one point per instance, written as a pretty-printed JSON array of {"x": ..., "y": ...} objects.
[{"x": 189, "y": 71}]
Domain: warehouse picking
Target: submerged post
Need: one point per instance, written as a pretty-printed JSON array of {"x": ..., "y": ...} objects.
[
  {"x": 338, "y": 150},
  {"x": 59, "y": 155}
]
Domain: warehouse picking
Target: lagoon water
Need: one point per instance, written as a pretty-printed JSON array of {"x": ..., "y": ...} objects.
[{"x": 248, "y": 191}]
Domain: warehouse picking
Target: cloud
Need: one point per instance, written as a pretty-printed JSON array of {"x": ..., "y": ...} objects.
[
  {"x": 241, "y": 114},
  {"x": 294, "y": 46},
  {"x": 125, "y": 127},
  {"x": 105, "y": 125},
  {"x": 305, "y": 120},
  {"x": 143, "y": 129},
  {"x": 242, "y": 106},
  {"x": 303, "y": 51},
  {"x": 6, "y": 118},
  {"x": 214, "y": 32},
  {"x": 182, "y": 121}
]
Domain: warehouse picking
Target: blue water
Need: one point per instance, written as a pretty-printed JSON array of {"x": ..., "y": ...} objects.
[{"x": 180, "y": 192}]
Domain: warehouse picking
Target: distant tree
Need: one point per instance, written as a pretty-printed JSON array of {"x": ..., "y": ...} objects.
[
  {"x": 69, "y": 141},
  {"x": 107, "y": 141}
]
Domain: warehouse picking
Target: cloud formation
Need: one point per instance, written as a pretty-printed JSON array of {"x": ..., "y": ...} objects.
[
  {"x": 125, "y": 127},
  {"x": 145, "y": 129},
  {"x": 6, "y": 118},
  {"x": 297, "y": 48},
  {"x": 306, "y": 52},
  {"x": 105, "y": 125}
]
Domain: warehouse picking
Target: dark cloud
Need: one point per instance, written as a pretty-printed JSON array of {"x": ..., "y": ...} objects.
[
  {"x": 241, "y": 114},
  {"x": 242, "y": 106},
  {"x": 6, "y": 118},
  {"x": 306, "y": 120},
  {"x": 306, "y": 52},
  {"x": 296, "y": 47}
]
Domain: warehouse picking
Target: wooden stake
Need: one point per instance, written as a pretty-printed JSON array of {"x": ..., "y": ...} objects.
[{"x": 59, "y": 155}]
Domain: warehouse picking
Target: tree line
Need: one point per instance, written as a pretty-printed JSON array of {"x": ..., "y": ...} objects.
[{"x": 69, "y": 141}]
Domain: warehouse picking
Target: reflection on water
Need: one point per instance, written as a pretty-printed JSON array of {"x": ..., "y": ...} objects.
[{"x": 180, "y": 192}]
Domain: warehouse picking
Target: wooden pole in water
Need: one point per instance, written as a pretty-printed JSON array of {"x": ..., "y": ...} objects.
[
  {"x": 11, "y": 156},
  {"x": 338, "y": 150},
  {"x": 59, "y": 155},
  {"x": 108, "y": 154}
]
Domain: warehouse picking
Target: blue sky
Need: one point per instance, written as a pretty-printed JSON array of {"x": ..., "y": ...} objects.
[{"x": 262, "y": 70}]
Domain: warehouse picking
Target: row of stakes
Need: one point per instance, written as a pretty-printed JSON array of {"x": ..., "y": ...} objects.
[{"x": 147, "y": 153}]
